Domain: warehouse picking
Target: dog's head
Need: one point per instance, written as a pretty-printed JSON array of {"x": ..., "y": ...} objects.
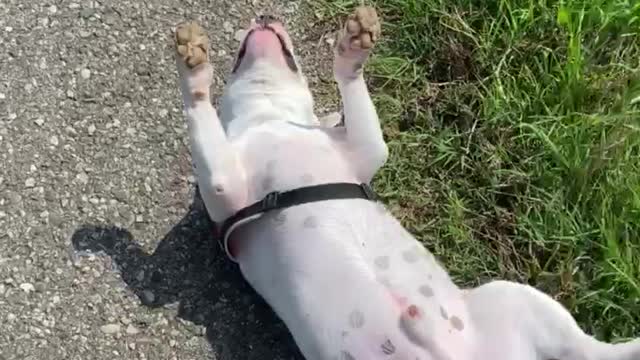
[{"x": 266, "y": 77}]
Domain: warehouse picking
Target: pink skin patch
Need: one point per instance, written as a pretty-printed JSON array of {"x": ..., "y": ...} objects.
[
  {"x": 413, "y": 312},
  {"x": 400, "y": 301}
]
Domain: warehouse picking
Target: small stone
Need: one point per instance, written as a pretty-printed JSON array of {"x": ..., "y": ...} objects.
[
  {"x": 39, "y": 121},
  {"x": 70, "y": 94},
  {"x": 331, "y": 41},
  {"x": 86, "y": 12},
  {"x": 53, "y": 9},
  {"x": 110, "y": 328},
  {"x": 91, "y": 129},
  {"x": 54, "y": 140},
  {"x": 11, "y": 317},
  {"x": 84, "y": 33},
  {"x": 240, "y": 35},
  {"x": 140, "y": 276},
  {"x": 8, "y": 29},
  {"x": 85, "y": 73},
  {"x": 30, "y": 182},
  {"x": 132, "y": 330},
  {"x": 228, "y": 27},
  {"x": 27, "y": 287},
  {"x": 83, "y": 178},
  {"x": 13, "y": 116},
  {"x": 163, "y": 113},
  {"x": 172, "y": 343},
  {"x": 139, "y": 218},
  {"x": 2, "y": 96},
  {"x": 148, "y": 297}
]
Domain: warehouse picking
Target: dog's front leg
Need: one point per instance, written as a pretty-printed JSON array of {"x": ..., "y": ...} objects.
[
  {"x": 220, "y": 174},
  {"x": 364, "y": 134}
]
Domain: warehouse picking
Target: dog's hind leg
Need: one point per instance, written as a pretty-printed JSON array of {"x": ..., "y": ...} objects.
[
  {"x": 221, "y": 176},
  {"x": 504, "y": 310},
  {"x": 364, "y": 135}
]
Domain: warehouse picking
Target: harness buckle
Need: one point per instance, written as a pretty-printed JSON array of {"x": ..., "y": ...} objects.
[
  {"x": 368, "y": 191},
  {"x": 270, "y": 201}
]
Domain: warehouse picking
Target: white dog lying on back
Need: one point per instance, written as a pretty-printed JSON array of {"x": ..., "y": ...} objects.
[{"x": 346, "y": 278}]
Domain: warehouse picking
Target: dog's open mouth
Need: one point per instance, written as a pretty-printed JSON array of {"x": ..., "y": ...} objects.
[{"x": 288, "y": 55}]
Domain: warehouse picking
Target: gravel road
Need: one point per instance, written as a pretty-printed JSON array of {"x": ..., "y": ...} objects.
[{"x": 105, "y": 251}]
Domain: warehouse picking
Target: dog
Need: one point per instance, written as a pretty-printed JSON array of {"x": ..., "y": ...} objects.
[{"x": 349, "y": 282}]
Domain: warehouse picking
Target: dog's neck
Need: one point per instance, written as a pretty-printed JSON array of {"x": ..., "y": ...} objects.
[{"x": 263, "y": 97}]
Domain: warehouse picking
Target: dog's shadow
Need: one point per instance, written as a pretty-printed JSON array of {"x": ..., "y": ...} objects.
[{"x": 189, "y": 269}]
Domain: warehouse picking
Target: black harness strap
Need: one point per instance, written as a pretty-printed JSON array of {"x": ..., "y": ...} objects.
[{"x": 280, "y": 200}]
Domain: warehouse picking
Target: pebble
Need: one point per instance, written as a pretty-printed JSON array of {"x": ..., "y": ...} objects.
[
  {"x": 53, "y": 9},
  {"x": 13, "y": 116},
  {"x": 148, "y": 297},
  {"x": 27, "y": 287},
  {"x": 85, "y": 73},
  {"x": 83, "y": 178},
  {"x": 240, "y": 34},
  {"x": 110, "y": 328},
  {"x": 30, "y": 182},
  {"x": 86, "y": 13},
  {"x": 2, "y": 96},
  {"x": 54, "y": 140},
  {"x": 140, "y": 276},
  {"x": 227, "y": 27},
  {"x": 91, "y": 129},
  {"x": 132, "y": 330},
  {"x": 39, "y": 121}
]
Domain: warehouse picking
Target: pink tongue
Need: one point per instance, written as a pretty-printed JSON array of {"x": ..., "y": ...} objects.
[{"x": 264, "y": 43}]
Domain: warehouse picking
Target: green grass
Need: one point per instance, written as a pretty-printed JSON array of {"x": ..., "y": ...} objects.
[{"x": 514, "y": 131}]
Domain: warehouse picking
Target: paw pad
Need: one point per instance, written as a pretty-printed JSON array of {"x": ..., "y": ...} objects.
[
  {"x": 363, "y": 28},
  {"x": 192, "y": 44}
]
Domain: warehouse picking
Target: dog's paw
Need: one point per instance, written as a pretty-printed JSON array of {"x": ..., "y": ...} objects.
[
  {"x": 360, "y": 33},
  {"x": 192, "y": 53},
  {"x": 192, "y": 44}
]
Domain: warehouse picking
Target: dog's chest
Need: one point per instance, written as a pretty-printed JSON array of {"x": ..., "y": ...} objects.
[{"x": 283, "y": 156}]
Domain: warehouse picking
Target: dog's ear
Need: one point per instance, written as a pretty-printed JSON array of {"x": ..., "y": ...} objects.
[{"x": 333, "y": 119}]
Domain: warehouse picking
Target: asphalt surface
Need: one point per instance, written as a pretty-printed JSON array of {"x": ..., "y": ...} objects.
[{"x": 105, "y": 250}]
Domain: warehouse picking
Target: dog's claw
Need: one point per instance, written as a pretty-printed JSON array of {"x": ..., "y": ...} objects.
[{"x": 192, "y": 44}]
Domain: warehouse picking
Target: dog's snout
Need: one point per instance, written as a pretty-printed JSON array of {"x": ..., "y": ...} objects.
[{"x": 265, "y": 20}]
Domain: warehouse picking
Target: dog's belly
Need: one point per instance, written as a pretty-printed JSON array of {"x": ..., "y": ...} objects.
[
  {"x": 283, "y": 156},
  {"x": 344, "y": 274}
]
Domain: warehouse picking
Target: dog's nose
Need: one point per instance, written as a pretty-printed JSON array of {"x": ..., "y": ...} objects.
[{"x": 265, "y": 20}]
